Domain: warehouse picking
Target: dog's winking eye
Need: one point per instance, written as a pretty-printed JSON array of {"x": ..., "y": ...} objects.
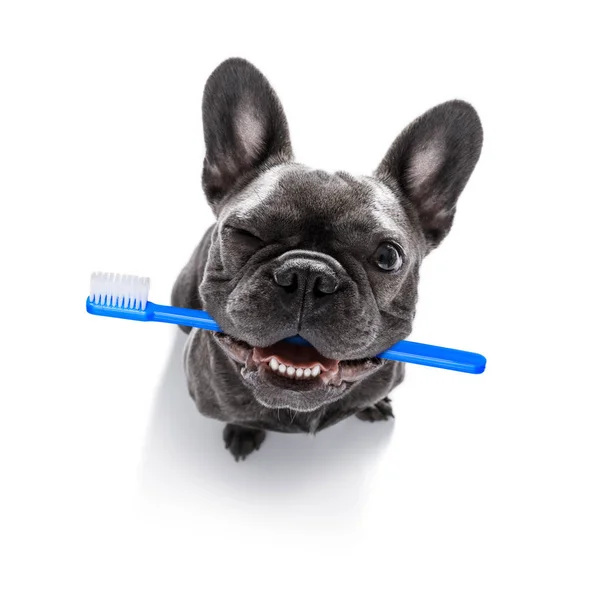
[
  {"x": 388, "y": 257},
  {"x": 243, "y": 235},
  {"x": 247, "y": 234}
]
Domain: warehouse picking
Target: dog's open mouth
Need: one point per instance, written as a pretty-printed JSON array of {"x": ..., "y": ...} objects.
[{"x": 294, "y": 366}]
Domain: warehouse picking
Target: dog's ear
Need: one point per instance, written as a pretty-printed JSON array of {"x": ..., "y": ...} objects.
[
  {"x": 431, "y": 162},
  {"x": 244, "y": 127}
]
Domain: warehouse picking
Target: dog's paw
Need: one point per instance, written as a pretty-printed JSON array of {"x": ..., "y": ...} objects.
[
  {"x": 381, "y": 411},
  {"x": 241, "y": 441}
]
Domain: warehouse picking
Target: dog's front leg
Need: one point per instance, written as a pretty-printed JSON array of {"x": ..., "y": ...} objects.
[
  {"x": 380, "y": 411},
  {"x": 242, "y": 441}
]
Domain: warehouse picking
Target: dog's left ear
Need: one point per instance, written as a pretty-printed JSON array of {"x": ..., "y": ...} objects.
[
  {"x": 431, "y": 161},
  {"x": 244, "y": 127}
]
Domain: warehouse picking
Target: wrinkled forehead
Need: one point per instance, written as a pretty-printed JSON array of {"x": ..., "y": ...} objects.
[{"x": 293, "y": 198}]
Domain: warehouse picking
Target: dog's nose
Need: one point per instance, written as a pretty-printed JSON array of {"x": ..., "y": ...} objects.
[{"x": 307, "y": 272}]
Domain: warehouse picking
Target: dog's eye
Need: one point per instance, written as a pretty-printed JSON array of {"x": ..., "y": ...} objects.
[
  {"x": 244, "y": 235},
  {"x": 247, "y": 234},
  {"x": 388, "y": 257}
]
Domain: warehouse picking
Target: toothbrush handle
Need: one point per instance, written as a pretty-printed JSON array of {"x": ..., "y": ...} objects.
[
  {"x": 436, "y": 356},
  {"x": 175, "y": 315},
  {"x": 404, "y": 351}
]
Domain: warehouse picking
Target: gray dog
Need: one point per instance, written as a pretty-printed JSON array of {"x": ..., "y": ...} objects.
[{"x": 331, "y": 257}]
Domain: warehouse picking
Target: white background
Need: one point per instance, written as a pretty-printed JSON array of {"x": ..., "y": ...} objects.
[{"x": 113, "y": 486}]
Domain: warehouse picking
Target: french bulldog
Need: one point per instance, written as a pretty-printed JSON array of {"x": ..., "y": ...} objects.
[{"x": 331, "y": 257}]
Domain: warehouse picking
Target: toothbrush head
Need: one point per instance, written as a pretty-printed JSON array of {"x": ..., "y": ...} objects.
[
  {"x": 126, "y": 297},
  {"x": 119, "y": 291}
]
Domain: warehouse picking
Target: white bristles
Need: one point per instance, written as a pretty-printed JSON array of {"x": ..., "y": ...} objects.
[{"x": 122, "y": 291}]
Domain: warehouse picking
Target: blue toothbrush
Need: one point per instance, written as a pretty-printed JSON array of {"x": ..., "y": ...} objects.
[{"x": 126, "y": 297}]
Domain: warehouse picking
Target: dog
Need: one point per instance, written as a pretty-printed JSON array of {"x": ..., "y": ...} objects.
[{"x": 330, "y": 257}]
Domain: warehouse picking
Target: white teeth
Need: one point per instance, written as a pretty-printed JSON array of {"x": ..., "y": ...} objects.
[{"x": 293, "y": 372}]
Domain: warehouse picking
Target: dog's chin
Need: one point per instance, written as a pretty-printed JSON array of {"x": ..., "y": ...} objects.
[{"x": 287, "y": 375}]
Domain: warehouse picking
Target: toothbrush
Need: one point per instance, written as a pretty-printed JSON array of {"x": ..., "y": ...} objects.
[{"x": 126, "y": 297}]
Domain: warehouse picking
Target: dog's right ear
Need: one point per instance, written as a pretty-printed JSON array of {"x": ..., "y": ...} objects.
[{"x": 244, "y": 127}]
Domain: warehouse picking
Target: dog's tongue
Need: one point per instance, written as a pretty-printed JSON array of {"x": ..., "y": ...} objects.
[{"x": 305, "y": 357}]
